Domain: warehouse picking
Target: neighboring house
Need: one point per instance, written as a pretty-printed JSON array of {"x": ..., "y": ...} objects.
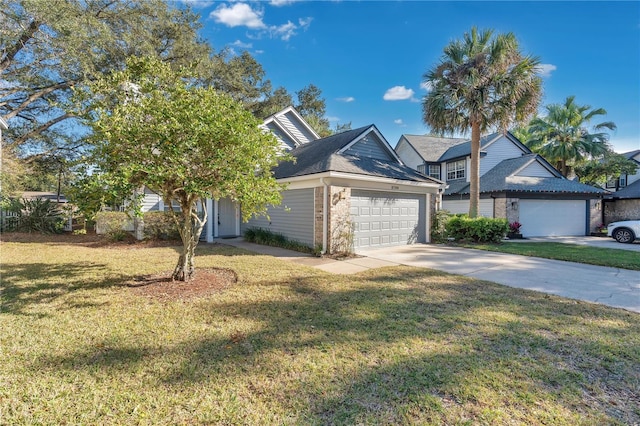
[
  {"x": 624, "y": 180},
  {"x": 515, "y": 183},
  {"x": 346, "y": 191},
  {"x": 623, "y": 204}
]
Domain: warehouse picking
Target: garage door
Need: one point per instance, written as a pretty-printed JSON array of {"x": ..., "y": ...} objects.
[
  {"x": 386, "y": 219},
  {"x": 548, "y": 218}
]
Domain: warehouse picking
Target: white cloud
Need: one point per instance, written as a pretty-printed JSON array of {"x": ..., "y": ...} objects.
[
  {"x": 278, "y": 3},
  {"x": 545, "y": 70},
  {"x": 426, "y": 85},
  {"x": 398, "y": 93},
  {"x": 284, "y": 31},
  {"x": 333, "y": 119},
  {"x": 346, "y": 99},
  {"x": 196, "y": 4},
  {"x": 305, "y": 22},
  {"x": 398, "y": 121},
  {"x": 240, "y": 14},
  {"x": 241, "y": 44}
]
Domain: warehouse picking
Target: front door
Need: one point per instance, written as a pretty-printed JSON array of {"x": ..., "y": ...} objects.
[{"x": 227, "y": 218}]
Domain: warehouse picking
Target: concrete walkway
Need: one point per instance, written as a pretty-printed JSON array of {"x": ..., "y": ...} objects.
[
  {"x": 602, "y": 242},
  {"x": 619, "y": 288}
]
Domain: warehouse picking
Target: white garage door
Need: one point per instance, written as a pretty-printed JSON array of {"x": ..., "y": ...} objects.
[
  {"x": 549, "y": 218},
  {"x": 462, "y": 206},
  {"x": 385, "y": 218}
]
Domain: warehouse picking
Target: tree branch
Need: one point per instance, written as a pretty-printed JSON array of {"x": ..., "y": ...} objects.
[
  {"x": 22, "y": 139},
  {"x": 19, "y": 44},
  {"x": 37, "y": 95}
]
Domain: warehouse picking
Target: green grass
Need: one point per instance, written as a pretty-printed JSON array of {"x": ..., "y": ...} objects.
[
  {"x": 296, "y": 346},
  {"x": 614, "y": 258}
]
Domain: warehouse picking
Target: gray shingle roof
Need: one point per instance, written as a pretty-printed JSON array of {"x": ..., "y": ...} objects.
[
  {"x": 322, "y": 156},
  {"x": 630, "y": 192},
  {"x": 501, "y": 179},
  {"x": 464, "y": 149},
  {"x": 431, "y": 148},
  {"x": 631, "y": 154}
]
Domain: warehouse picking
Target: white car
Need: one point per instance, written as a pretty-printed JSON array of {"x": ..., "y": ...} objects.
[{"x": 625, "y": 231}]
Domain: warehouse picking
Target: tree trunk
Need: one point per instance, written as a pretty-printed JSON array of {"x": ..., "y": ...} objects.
[
  {"x": 190, "y": 230},
  {"x": 474, "y": 172}
]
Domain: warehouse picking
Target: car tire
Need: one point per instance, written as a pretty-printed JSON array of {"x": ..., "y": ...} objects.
[{"x": 624, "y": 235}]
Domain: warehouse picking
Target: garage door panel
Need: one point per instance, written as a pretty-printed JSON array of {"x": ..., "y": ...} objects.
[
  {"x": 550, "y": 218},
  {"x": 385, "y": 219}
]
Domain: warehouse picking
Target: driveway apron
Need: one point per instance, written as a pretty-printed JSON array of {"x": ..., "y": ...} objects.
[{"x": 619, "y": 288}]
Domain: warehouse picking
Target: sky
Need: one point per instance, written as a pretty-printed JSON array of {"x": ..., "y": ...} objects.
[{"x": 369, "y": 57}]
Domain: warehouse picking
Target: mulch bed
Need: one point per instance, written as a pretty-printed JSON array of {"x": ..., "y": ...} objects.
[{"x": 162, "y": 287}]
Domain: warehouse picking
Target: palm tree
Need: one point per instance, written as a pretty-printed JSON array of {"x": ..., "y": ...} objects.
[
  {"x": 482, "y": 82},
  {"x": 562, "y": 137}
]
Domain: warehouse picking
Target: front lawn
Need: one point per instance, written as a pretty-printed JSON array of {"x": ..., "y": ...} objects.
[
  {"x": 614, "y": 258},
  {"x": 287, "y": 344}
]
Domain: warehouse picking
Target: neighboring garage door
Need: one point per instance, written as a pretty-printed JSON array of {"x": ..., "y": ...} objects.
[
  {"x": 548, "y": 218},
  {"x": 386, "y": 218}
]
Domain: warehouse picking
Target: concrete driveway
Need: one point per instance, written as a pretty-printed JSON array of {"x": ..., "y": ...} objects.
[
  {"x": 619, "y": 288},
  {"x": 585, "y": 241}
]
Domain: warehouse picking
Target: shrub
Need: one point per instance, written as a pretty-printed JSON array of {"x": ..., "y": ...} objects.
[
  {"x": 113, "y": 225},
  {"x": 160, "y": 226},
  {"x": 514, "y": 227},
  {"x": 438, "y": 227},
  {"x": 479, "y": 230},
  {"x": 268, "y": 238},
  {"x": 38, "y": 215}
]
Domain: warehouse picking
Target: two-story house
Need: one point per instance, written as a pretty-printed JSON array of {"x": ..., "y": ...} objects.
[
  {"x": 515, "y": 183},
  {"x": 624, "y": 201}
]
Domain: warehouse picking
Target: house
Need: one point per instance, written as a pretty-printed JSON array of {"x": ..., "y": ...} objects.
[
  {"x": 623, "y": 204},
  {"x": 622, "y": 181},
  {"x": 515, "y": 183},
  {"x": 351, "y": 190},
  {"x": 346, "y": 191}
]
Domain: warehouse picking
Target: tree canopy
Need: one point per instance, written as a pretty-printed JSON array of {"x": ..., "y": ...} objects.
[
  {"x": 562, "y": 135},
  {"x": 482, "y": 82},
  {"x": 184, "y": 141}
]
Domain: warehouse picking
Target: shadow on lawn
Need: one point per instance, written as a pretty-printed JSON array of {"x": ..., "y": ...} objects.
[
  {"x": 25, "y": 284},
  {"x": 478, "y": 340}
]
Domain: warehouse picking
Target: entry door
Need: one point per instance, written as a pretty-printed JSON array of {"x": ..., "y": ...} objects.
[{"x": 227, "y": 218}]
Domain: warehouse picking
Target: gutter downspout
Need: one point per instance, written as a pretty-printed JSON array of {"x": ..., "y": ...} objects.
[{"x": 325, "y": 216}]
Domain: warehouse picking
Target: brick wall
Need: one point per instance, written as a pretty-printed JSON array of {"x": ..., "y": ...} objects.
[{"x": 340, "y": 226}]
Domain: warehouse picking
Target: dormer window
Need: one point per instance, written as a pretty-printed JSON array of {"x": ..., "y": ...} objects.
[{"x": 456, "y": 170}]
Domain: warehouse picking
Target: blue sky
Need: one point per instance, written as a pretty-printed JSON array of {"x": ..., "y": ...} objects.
[{"x": 368, "y": 58}]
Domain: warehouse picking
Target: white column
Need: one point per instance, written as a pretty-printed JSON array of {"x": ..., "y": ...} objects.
[
  {"x": 214, "y": 219},
  {"x": 237, "y": 219},
  {"x": 210, "y": 220}
]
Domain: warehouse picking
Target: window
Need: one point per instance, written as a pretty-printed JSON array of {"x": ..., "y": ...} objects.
[
  {"x": 421, "y": 168},
  {"x": 434, "y": 171},
  {"x": 456, "y": 169},
  {"x": 623, "y": 181}
]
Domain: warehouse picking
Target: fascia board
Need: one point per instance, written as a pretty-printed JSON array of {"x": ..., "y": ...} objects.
[{"x": 353, "y": 180}]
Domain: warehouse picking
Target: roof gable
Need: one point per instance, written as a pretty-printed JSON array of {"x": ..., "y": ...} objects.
[
  {"x": 339, "y": 153},
  {"x": 371, "y": 144},
  {"x": 633, "y": 155},
  {"x": 430, "y": 148},
  {"x": 464, "y": 149},
  {"x": 290, "y": 128}
]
